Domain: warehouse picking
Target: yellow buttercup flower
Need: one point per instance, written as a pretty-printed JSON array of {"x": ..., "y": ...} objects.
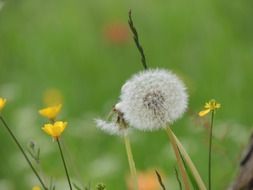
[
  {"x": 212, "y": 105},
  {"x": 51, "y": 112},
  {"x": 55, "y": 130},
  {"x": 36, "y": 188},
  {"x": 2, "y": 103}
]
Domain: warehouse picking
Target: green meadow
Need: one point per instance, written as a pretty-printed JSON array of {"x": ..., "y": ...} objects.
[{"x": 84, "y": 51}]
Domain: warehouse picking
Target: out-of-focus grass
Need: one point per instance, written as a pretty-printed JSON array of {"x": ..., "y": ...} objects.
[{"x": 62, "y": 45}]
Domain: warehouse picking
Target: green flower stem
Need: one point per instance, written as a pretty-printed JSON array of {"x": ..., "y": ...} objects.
[
  {"x": 23, "y": 152},
  {"x": 131, "y": 162},
  {"x": 64, "y": 163},
  {"x": 191, "y": 165},
  {"x": 179, "y": 160},
  {"x": 210, "y": 152}
]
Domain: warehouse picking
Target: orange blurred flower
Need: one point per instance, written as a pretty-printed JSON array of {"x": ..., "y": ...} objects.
[
  {"x": 146, "y": 181},
  {"x": 116, "y": 33}
]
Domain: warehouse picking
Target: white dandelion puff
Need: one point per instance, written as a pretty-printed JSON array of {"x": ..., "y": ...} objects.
[
  {"x": 116, "y": 126},
  {"x": 110, "y": 127},
  {"x": 152, "y": 99}
]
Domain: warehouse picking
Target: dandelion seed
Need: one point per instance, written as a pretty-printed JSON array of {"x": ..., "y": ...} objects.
[
  {"x": 152, "y": 99},
  {"x": 2, "y": 103},
  {"x": 111, "y": 128},
  {"x": 55, "y": 130},
  {"x": 51, "y": 112},
  {"x": 117, "y": 124}
]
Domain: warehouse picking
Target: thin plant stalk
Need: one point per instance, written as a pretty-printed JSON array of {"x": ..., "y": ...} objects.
[
  {"x": 191, "y": 165},
  {"x": 23, "y": 152},
  {"x": 131, "y": 162},
  {"x": 64, "y": 163},
  {"x": 136, "y": 40},
  {"x": 210, "y": 152},
  {"x": 71, "y": 163},
  {"x": 179, "y": 160}
]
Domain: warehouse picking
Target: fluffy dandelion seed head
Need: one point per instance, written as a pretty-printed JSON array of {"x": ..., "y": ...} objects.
[
  {"x": 153, "y": 98},
  {"x": 116, "y": 125},
  {"x": 111, "y": 128}
]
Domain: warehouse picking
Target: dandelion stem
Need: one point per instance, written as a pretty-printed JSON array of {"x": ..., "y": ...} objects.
[
  {"x": 179, "y": 161},
  {"x": 23, "y": 152},
  {"x": 189, "y": 162},
  {"x": 64, "y": 163},
  {"x": 131, "y": 162},
  {"x": 210, "y": 152},
  {"x": 136, "y": 40}
]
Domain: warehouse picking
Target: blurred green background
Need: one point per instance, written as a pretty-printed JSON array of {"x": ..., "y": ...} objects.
[{"x": 83, "y": 50}]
